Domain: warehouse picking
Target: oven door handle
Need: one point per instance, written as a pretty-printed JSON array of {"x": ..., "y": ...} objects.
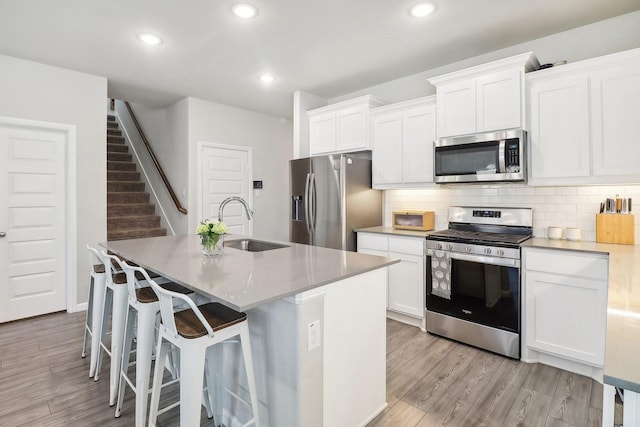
[{"x": 505, "y": 262}]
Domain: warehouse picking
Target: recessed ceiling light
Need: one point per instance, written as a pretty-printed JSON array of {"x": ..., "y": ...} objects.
[
  {"x": 421, "y": 10},
  {"x": 150, "y": 39},
  {"x": 244, "y": 10},
  {"x": 266, "y": 78}
]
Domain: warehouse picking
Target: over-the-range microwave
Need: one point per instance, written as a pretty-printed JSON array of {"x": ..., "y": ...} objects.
[{"x": 484, "y": 157}]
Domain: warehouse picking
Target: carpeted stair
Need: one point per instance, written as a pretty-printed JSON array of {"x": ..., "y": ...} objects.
[{"x": 129, "y": 213}]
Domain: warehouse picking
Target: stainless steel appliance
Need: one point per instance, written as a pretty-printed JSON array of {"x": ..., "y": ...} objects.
[
  {"x": 330, "y": 197},
  {"x": 473, "y": 277},
  {"x": 492, "y": 156}
]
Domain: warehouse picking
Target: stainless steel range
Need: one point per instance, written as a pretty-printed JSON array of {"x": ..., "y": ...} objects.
[{"x": 473, "y": 277}]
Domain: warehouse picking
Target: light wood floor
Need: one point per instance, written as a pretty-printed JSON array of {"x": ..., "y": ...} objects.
[{"x": 431, "y": 381}]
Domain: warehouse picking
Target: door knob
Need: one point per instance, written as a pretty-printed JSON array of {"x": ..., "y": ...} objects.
[{"x": 2, "y": 234}]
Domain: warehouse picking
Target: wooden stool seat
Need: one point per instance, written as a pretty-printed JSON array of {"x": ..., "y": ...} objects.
[
  {"x": 147, "y": 295},
  {"x": 217, "y": 315},
  {"x": 119, "y": 279},
  {"x": 98, "y": 269}
]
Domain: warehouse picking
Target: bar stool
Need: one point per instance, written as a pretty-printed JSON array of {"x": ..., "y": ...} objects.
[
  {"x": 95, "y": 307},
  {"x": 195, "y": 331},
  {"x": 143, "y": 311},
  {"x": 115, "y": 301}
]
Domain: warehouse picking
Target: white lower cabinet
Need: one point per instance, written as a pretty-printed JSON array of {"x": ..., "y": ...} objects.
[
  {"x": 565, "y": 309},
  {"x": 405, "y": 293}
]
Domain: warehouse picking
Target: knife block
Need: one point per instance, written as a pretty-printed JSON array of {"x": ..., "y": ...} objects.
[{"x": 615, "y": 228}]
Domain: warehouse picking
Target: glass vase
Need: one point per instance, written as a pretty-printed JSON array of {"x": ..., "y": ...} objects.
[{"x": 212, "y": 245}]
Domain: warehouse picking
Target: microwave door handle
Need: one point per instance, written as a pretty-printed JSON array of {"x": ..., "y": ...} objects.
[
  {"x": 501, "y": 157},
  {"x": 504, "y": 262}
]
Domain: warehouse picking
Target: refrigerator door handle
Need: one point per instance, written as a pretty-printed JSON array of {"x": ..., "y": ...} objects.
[
  {"x": 307, "y": 205},
  {"x": 312, "y": 210}
]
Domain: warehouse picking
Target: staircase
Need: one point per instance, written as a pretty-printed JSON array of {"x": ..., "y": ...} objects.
[{"x": 129, "y": 213}]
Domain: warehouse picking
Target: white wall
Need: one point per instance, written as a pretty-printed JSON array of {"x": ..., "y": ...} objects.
[
  {"x": 41, "y": 92},
  {"x": 269, "y": 137},
  {"x": 601, "y": 38},
  {"x": 166, "y": 130}
]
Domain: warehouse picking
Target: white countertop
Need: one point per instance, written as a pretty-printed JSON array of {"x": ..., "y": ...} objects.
[
  {"x": 240, "y": 279},
  {"x": 622, "y": 350}
]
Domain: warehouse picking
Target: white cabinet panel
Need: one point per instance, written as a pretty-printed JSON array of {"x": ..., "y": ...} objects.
[
  {"x": 559, "y": 138},
  {"x": 387, "y": 149},
  {"x": 406, "y": 284},
  {"x": 565, "y": 305},
  {"x": 322, "y": 138},
  {"x": 407, "y": 245},
  {"x": 499, "y": 100},
  {"x": 378, "y": 242},
  {"x": 403, "y": 136},
  {"x": 566, "y": 316},
  {"x": 341, "y": 127},
  {"x": 352, "y": 128},
  {"x": 616, "y": 123},
  {"x": 419, "y": 132},
  {"x": 456, "y": 108}
]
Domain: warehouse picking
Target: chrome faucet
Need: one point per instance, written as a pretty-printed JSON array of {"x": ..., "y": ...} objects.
[{"x": 236, "y": 199}]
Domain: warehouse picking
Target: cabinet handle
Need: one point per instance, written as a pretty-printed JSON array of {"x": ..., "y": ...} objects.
[{"x": 2, "y": 234}]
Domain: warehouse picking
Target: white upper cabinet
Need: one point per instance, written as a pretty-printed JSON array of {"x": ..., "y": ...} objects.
[
  {"x": 403, "y": 136},
  {"x": 483, "y": 98},
  {"x": 584, "y": 121},
  {"x": 341, "y": 127},
  {"x": 559, "y": 128},
  {"x": 616, "y": 120}
]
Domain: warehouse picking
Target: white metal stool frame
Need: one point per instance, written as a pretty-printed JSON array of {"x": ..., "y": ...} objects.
[
  {"x": 193, "y": 352},
  {"x": 143, "y": 314},
  {"x": 116, "y": 299},
  {"x": 95, "y": 307}
]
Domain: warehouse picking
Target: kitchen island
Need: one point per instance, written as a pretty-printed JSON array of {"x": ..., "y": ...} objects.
[{"x": 337, "y": 379}]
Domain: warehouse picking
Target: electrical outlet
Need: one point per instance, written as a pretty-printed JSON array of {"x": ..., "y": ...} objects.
[{"x": 313, "y": 335}]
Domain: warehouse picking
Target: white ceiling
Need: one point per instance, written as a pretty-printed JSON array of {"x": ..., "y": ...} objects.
[{"x": 326, "y": 47}]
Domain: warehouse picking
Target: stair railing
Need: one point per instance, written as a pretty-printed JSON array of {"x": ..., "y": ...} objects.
[{"x": 167, "y": 184}]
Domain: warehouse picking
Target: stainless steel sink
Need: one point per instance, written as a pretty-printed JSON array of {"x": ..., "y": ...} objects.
[{"x": 251, "y": 245}]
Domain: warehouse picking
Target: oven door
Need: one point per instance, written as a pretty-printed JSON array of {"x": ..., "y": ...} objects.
[{"x": 482, "y": 289}]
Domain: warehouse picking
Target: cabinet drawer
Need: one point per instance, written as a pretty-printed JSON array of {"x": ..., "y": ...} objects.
[
  {"x": 570, "y": 263},
  {"x": 407, "y": 245},
  {"x": 378, "y": 242}
]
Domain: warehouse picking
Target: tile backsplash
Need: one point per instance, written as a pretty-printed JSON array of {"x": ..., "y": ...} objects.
[{"x": 571, "y": 206}]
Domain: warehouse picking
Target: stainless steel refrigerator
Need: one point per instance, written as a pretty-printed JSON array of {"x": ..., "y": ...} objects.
[{"x": 330, "y": 197}]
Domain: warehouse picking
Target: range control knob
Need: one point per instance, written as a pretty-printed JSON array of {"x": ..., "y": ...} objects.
[
  {"x": 439, "y": 245},
  {"x": 487, "y": 251},
  {"x": 449, "y": 247},
  {"x": 500, "y": 252},
  {"x": 467, "y": 248}
]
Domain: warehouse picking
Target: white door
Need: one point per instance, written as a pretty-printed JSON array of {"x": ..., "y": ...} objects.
[
  {"x": 226, "y": 171},
  {"x": 32, "y": 214}
]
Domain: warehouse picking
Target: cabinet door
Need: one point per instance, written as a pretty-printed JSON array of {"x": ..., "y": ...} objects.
[
  {"x": 559, "y": 137},
  {"x": 352, "y": 129},
  {"x": 499, "y": 101},
  {"x": 456, "y": 108},
  {"x": 387, "y": 149},
  {"x": 406, "y": 285},
  {"x": 418, "y": 134},
  {"x": 616, "y": 120},
  {"x": 566, "y": 316},
  {"x": 322, "y": 133}
]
